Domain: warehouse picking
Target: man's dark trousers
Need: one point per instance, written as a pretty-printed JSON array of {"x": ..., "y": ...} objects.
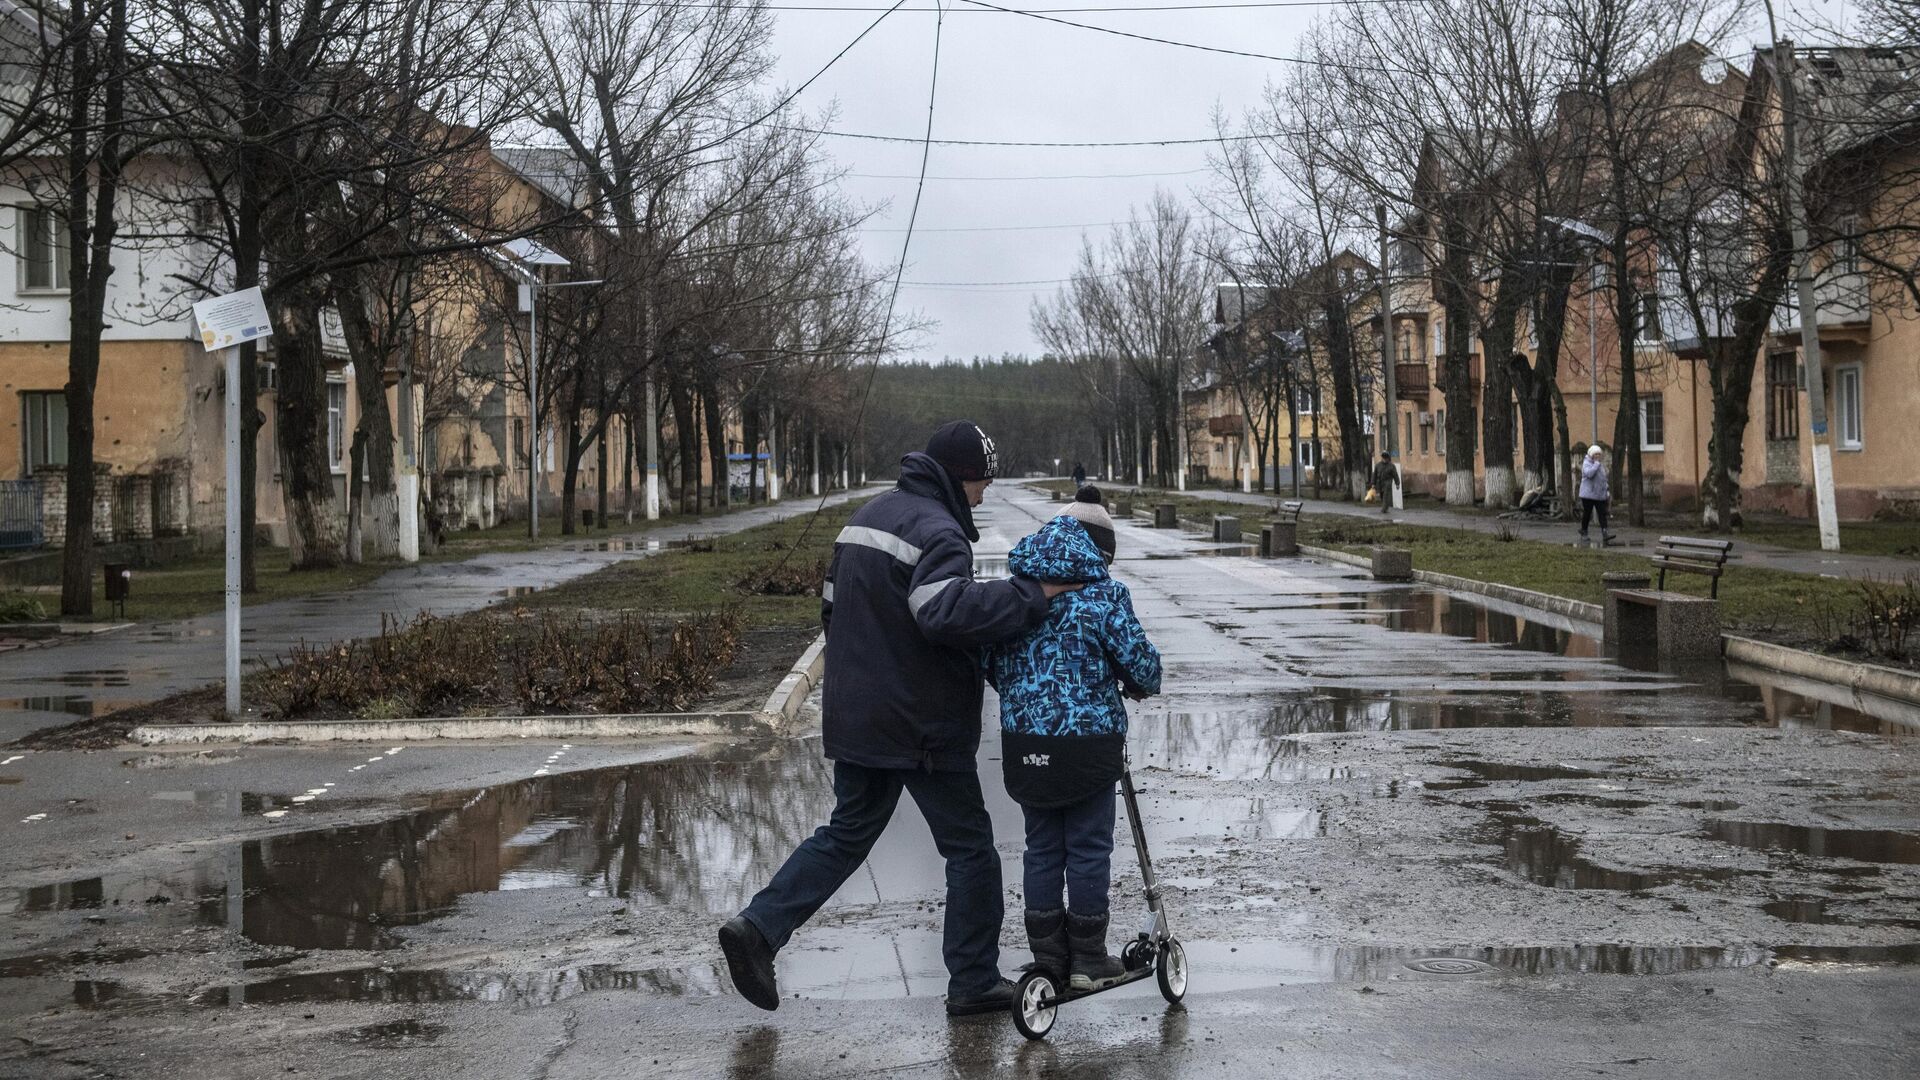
[{"x": 957, "y": 815}]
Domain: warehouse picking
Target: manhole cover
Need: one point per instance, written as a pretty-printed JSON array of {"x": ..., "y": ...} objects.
[{"x": 1449, "y": 965}]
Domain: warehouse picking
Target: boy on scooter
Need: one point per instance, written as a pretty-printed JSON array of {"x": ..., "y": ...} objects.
[{"x": 1064, "y": 735}]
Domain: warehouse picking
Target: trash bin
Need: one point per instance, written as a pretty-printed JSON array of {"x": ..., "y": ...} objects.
[{"x": 119, "y": 583}]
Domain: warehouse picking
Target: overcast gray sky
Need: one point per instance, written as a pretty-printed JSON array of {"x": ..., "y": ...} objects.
[{"x": 1011, "y": 77}]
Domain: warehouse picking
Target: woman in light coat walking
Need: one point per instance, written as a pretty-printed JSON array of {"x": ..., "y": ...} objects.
[{"x": 1594, "y": 494}]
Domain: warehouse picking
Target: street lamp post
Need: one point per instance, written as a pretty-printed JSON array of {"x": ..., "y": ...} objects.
[{"x": 534, "y": 285}]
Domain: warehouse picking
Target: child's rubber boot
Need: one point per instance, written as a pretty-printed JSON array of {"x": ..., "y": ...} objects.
[
  {"x": 1092, "y": 967},
  {"x": 1047, "y": 937}
]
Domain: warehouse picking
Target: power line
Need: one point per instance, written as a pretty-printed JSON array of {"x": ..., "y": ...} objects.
[
  {"x": 1303, "y": 61},
  {"x": 1004, "y": 228},
  {"x": 1036, "y": 143},
  {"x": 1041, "y": 176},
  {"x": 1107, "y": 9}
]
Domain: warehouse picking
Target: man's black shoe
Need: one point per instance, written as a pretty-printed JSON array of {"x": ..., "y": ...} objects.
[
  {"x": 997, "y": 999},
  {"x": 751, "y": 963}
]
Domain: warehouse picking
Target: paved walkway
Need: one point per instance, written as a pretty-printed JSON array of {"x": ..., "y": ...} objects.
[
  {"x": 47, "y": 687},
  {"x": 1794, "y": 560}
]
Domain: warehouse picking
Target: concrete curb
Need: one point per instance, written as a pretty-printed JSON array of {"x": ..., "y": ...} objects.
[
  {"x": 799, "y": 685},
  {"x": 1577, "y": 610},
  {"x": 779, "y": 711},
  {"x": 626, "y": 725},
  {"x": 1857, "y": 678}
]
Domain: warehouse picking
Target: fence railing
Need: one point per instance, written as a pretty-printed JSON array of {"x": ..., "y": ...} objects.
[{"x": 20, "y": 523}]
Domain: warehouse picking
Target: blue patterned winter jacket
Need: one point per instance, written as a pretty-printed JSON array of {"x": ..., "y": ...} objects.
[{"x": 1063, "y": 722}]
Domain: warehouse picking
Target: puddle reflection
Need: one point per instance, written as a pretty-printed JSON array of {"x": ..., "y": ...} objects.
[{"x": 696, "y": 835}]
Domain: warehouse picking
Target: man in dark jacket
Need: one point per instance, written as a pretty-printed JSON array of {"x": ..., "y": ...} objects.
[{"x": 905, "y": 621}]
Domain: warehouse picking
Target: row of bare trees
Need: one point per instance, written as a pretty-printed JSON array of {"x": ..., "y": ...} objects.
[
  {"x": 343, "y": 156},
  {"x": 1535, "y": 160}
]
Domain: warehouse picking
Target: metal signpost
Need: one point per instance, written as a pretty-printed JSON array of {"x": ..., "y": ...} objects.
[{"x": 228, "y": 322}]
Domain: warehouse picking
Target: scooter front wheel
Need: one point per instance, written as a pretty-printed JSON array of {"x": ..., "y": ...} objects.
[
  {"x": 1172, "y": 971},
  {"x": 1030, "y": 1015}
]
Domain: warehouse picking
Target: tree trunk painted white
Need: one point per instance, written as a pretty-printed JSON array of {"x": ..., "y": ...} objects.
[
  {"x": 1500, "y": 490},
  {"x": 1459, "y": 487}
]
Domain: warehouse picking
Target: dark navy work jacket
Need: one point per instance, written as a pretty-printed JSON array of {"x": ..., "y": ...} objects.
[{"x": 905, "y": 622}]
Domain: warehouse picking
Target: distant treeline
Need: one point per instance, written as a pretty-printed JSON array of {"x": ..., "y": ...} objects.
[{"x": 1035, "y": 411}]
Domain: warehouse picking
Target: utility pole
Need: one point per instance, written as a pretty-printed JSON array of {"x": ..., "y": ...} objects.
[
  {"x": 1391, "y": 412},
  {"x": 1783, "y": 67}
]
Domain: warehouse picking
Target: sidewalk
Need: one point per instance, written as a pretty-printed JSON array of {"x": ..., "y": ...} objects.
[
  {"x": 1747, "y": 553},
  {"x": 47, "y": 687}
]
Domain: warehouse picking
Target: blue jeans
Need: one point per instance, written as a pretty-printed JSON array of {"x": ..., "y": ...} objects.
[
  {"x": 1070, "y": 846},
  {"x": 957, "y": 815}
]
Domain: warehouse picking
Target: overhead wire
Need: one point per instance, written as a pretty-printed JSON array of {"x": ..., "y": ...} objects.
[
  {"x": 1151, "y": 39},
  {"x": 899, "y": 272}
]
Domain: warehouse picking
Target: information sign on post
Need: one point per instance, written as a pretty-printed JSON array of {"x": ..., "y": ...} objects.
[{"x": 226, "y": 323}]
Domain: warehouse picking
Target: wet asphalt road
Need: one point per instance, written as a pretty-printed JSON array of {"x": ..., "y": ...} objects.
[{"x": 1404, "y": 835}]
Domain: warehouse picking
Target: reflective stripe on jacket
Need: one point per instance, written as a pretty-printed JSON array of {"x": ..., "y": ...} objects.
[{"x": 905, "y": 620}]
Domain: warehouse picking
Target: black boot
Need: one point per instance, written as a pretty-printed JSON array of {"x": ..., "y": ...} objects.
[
  {"x": 1047, "y": 937},
  {"x": 750, "y": 962},
  {"x": 1092, "y": 968}
]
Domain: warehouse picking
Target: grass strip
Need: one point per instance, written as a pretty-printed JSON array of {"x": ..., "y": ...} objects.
[
  {"x": 1805, "y": 610},
  {"x": 770, "y": 574}
]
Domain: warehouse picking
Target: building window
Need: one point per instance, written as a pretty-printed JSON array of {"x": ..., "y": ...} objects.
[
  {"x": 1650, "y": 319},
  {"x": 1783, "y": 397},
  {"x": 1407, "y": 442},
  {"x": 1423, "y": 438},
  {"x": 1653, "y": 422},
  {"x": 1439, "y": 337},
  {"x": 1846, "y": 408},
  {"x": 1306, "y": 401},
  {"x": 1846, "y": 247},
  {"x": 43, "y": 249},
  {"x": 1305, "y": 457},
  {"x": 43, "y": 423},
  {"x": 337, "y": 425},
  {"x": 1406, "y": 344},
  {"x": 1440, "y": 432}
]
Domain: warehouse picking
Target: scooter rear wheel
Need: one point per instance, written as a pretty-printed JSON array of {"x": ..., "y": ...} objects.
[
  {"x": 1033, "y": 1019},
  {"x": 1172, "y": 971}
]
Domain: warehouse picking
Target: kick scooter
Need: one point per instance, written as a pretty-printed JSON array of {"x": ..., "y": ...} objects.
[{"x": 1155, "y": 952}]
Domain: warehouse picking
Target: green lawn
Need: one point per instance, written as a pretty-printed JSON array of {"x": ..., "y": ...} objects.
[
  {"x": 1898, "y": 539},
  {"x": 717, "y": 574},
  {"x": 197, "y": 586},
  {"x": 1776, "y": 603}
]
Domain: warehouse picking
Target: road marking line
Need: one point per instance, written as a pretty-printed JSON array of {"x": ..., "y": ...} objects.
[
  {"x": 31, "y": 818},
  {"x": 14, "y": 758}
]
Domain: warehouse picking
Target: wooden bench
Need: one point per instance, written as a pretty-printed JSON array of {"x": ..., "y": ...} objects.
[
  {"x": 1676, "y": 626},
  {"x": 1281, "y": 536},
  {"x": 1686, "y": 555}
]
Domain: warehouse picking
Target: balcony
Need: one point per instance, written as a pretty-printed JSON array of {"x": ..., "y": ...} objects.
[
  {"x": 1845, "y": 315},
  {"x": 1234, "y": 424},
  {"x": 1410, "y": 381},
  {"x": 1473, "y": 375}
]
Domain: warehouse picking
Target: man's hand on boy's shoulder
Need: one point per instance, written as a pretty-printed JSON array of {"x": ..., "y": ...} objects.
[{"x": 1052, "y": 589}]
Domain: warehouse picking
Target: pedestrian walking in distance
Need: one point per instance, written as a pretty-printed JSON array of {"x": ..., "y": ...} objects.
[
  {"x": 1063, "y": 736},
  {"x": 1594, "y": 494},
  {"x": 1079, "y": 476},
  {"x": 905, "y": 622},
  {"x": 1385, "y": 479}
]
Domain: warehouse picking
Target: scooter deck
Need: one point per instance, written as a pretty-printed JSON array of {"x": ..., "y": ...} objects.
[{"x": 1075, "y": 995}]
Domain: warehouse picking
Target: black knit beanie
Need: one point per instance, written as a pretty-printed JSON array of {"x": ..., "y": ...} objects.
[{"x": 964, "y": 450}]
